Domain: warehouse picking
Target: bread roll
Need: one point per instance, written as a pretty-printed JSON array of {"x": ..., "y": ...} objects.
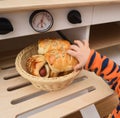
[
  {"x": 52, "y": 59},
  {"x": 60, "y": 61},
  {"x": 36, "y": 65},
  {"x": 46, "y": 45}
]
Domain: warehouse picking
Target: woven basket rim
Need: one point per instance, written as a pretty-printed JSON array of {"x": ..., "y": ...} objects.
[{"x": 33, "y": 78}]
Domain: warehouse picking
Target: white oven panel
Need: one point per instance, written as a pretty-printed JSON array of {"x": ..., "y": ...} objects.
[
  {"x": 106, "y": 13},
  {"x": 21, "y": 26}
]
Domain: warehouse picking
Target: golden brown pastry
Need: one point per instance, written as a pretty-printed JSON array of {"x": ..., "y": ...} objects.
[
  {"x": 46, "y": 45},
  {"x": 59, "y": 61},
  {"x": 52, "y": 59},
  {"x": 36, "y": 65}
]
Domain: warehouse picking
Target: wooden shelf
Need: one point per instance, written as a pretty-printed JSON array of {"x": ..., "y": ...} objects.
[
  {"x": 104, "y": 35},
  {"x": 111, "y": 102},
  {"x": 19, "y": 97},
  {"x": 15, "y": 5}
]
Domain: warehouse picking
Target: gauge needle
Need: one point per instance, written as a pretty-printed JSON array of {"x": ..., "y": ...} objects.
[{"x": 41, "y": 21}]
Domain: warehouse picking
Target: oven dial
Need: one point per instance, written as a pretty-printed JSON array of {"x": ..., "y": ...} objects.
[
  {"x": 41, "y": 20},
  {"x": 5, "y": 26},
  {"x": 74, "y": 17}
]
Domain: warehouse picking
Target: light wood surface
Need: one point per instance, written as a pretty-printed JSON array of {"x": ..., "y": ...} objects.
[
  {"x": 19, "y": 96},
  {"x": 104, "y": 35},
  {"x": 17, "y": 5},
  {"x": 104, "y": 107}
]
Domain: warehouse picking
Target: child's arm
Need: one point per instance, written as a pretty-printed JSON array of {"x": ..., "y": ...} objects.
[
  {"x": 105, "y": 68},
  {"x": 101, "y": 65},
  {"x": 95, "y": 62}
]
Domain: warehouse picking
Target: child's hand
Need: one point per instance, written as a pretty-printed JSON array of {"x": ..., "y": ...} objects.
[{"x": 80, "y": 50}]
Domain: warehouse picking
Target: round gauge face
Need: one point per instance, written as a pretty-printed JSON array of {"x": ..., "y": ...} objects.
[{"x": 41, "y": 20}]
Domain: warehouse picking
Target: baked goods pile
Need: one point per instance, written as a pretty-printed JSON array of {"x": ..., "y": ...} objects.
[{"x": 52, "y": 59}]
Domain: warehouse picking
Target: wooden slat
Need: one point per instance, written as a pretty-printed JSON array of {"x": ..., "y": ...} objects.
[
  {"x": 7, "y": 97},
  {"x": 79, "y": 102},
  {"x": 73, "y": 105},
  {"x": 45, "y": 98},
  {"x": 25, "y": 99},
  {"x": 49, "y": 97},
  {"x": 14, "y": 5},
  {"x": 68, "y": 107},
  {"x": 13, "y": 83},
  {"x": 18, "y": 93},
  {"x": 9, "y": 73}
]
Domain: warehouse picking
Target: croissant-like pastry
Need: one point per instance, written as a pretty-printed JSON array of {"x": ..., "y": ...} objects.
[
  {"x": 52, "y": 60},
  {"x": 36, "y": 65},
  {"x": 46, "y": 45},
  {"x": 59, "y": 61}
]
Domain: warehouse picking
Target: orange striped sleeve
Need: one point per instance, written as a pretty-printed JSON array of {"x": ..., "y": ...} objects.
[
  {"x": 104, "y": 67},
  {"x": 108, "y": 70}
]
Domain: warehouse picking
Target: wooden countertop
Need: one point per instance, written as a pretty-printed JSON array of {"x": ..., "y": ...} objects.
[{"x": 18, "y": 5}]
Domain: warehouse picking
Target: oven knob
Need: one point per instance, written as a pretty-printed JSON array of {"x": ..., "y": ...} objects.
[
  {"x": 74, "y": 17},
  {"x": 5, "y": 26}
]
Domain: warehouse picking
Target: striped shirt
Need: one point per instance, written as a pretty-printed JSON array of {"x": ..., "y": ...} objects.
[{"x": 107, "y": 69}]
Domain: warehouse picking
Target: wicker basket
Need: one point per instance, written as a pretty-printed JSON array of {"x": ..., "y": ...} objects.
[{"x": 47, "y": 84}]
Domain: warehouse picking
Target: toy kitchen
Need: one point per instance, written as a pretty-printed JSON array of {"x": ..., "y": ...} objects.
[{"x": 23, "y": 23}]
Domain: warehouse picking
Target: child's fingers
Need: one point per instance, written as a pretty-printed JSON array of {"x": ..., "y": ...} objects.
[
  {"x": 72, "y": 53},
  {"x": 74, "y": 47},
  {"x": 78, "y": 67}
]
